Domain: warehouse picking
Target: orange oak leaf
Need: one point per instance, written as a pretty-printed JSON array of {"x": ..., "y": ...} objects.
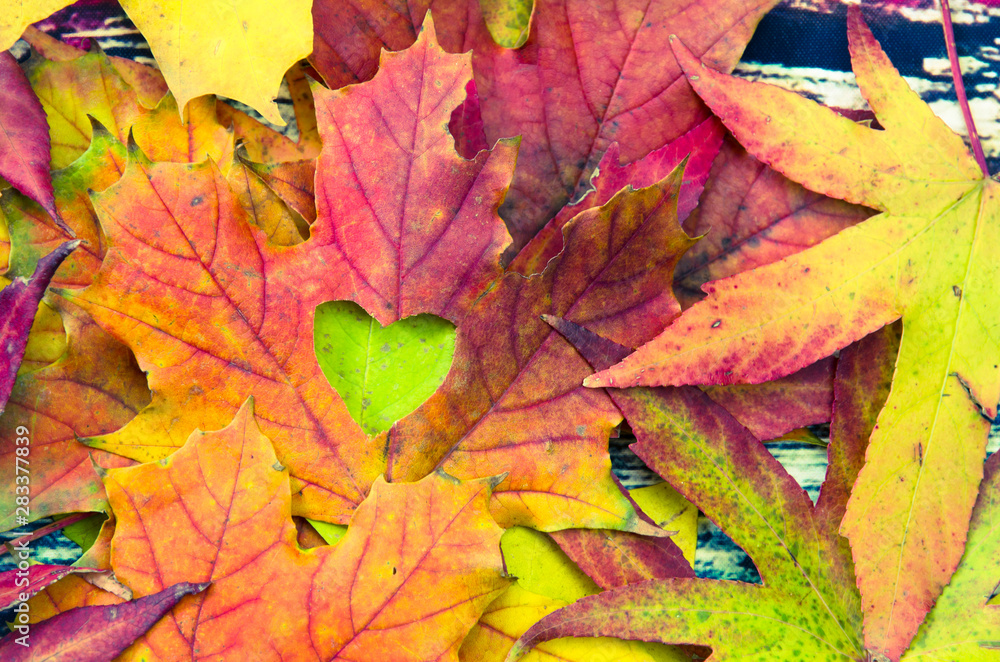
[
  {"x": 929, "y": 258},
  {"x": 513, "y": 400},
  {"x": 410, "y": 225},
  {"x": 412, "y": 575},
  {"x": 751, "y": 215},
  {"x": 75, "y": 397}
]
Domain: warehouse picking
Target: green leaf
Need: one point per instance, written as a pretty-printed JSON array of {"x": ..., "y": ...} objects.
[
  {"x": 85, "y": 532},
  {"x": 381, "y": 373},
  {"x": 331, "y": 533},
  {"x": 542, "y": 568},
  {"x": 509, "y": 21}
]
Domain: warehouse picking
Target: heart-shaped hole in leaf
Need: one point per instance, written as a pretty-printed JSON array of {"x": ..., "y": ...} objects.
[{"x": 381, "y": 373}]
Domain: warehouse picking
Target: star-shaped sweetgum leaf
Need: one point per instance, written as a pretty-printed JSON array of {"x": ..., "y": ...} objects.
[
  {"x": 965, "y": 621},
  {"x": 416, "y": 568},
  {"x": 808, "y": 607},
  {"x": 930, "y": 258}
]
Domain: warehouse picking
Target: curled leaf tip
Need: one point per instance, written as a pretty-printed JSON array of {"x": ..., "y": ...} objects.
[{"x": 493, "y": 481}]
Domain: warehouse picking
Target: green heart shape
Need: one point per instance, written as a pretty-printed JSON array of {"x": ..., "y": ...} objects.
[{"x": 381, "y": 373}]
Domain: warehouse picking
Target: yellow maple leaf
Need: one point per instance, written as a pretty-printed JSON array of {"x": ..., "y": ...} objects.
[{"x": 212, "y": 46}]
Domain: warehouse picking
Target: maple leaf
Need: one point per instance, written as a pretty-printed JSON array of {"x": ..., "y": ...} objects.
[
  {"x": 19, "y": 301},
  {"x": 347, "y": 38},
  {"x": 625, "y": 88},
  {"x": 807, "y": 607},
  {"x": 96, "y": 633},
  {"x": 409, "y": 194},
  {"x": 697, "y": 149},
  {"x": 204, "y": 48},
  {"x": 32, "y": 232},
  {"x": 513, "y": 400},
  {"x": 24, "y": 149},
  {"x": 215, "y": 323},
  {"x": 188, "y": 136},
  {"x": 214, "y": 313},
  {"x": 75, "y": 397},
  {"x": 73, "y": 91},
  {"x": 928, "y": 258},
  {"x": 417, "y": 566},
  {"x": 568, "y": 109}
]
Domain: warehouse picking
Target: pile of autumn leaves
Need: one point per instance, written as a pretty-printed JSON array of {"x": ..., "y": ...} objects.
[{"x": 170, "y": 378}]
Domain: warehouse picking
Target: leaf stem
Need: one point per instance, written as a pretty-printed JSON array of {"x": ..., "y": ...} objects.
[
  {"x": 963, "y": 101},
  {"x": 44, "y": 531}
]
